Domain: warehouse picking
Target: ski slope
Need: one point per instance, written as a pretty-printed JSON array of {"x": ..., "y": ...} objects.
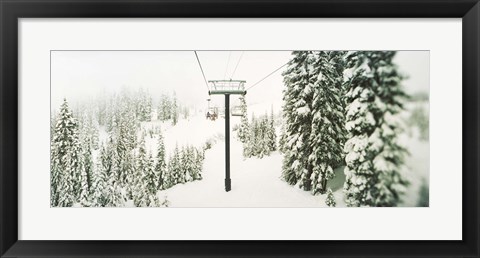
[{"x": 255, "y": 182}]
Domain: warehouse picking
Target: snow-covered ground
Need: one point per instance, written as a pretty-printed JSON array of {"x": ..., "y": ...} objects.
[{"x": 255, "y": 182}]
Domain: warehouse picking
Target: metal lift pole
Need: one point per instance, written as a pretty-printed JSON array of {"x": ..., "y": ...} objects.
[
  {"x": 228, "y": 181},
  {"x": 227, "y": 88}
]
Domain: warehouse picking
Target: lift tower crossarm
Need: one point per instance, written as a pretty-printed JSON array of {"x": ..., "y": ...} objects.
[{"x": 222, "y": 87}]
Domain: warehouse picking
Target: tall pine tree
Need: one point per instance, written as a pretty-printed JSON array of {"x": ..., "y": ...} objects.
[
  {"x": 161, "y": 164},
  {"x": 328, "y": 130},
  {"x": 374, "y": 158},
  {"x": 100, "y": 191},
  {"x": 297, "y": 98},
  {"x": 65, "y": 160},
  {"x": 244, "y": 125}
]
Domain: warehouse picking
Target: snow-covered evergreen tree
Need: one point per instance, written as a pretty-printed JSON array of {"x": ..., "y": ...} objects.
[
  {"x": 248, "y": 145},
  {"x": 95, "y": 135},
  {"x": 142, "y": 170},
  {"x": 86, "y": 174},
  {"x": 161, "y": 164},
  {"x": 65, "y": 158},
  {"x": 114, "y": 188},
  {"x": 143, "y": 106},
  {"x": 330, "y": 201},
  {"x": 260, "y": 139},
  {"x": 182, "y": 177},
  {"x": 242, "y": 132},
  {"x": 374, "y": 158},
  {"x": 188, "y": 164},
  {"x": 282, "y": 140},
  {"x": 101, "y": 195},
  {"x": 199, "y": 157},
  {"x": 175, "y": 168},
  {"x": 174, "y": 109},
  {"x": 297, "y": 97},
  {"x": 271, "y": 133},
  {"x": 165, "y": 108},
  {"x": 151, "y": 182},
  {"x": 327, "y": 126}
]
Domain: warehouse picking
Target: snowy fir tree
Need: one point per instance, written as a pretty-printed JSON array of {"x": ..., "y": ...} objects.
[
  {"x": 242, "y": 132},
  {"x": 86, "y": 174},
  {"x": 95, "y": 137},
  {"x": 330, "y": 201},
  {"x": 282, "y": 139},
  {"x": 151, "y": 185},
  {"x": 174, "y": 168},
  {"x": 313, "y": 131},
  {"x": 249, "y": 135},
  {"x": 264, "y": 148},
  {"x": 328, "y": 130},
  {"x": 100, "y": 191},
  {"x": 260, "y": 139},
  {"x": 161, "y": 164},
  {"x": 374, "y": 158},
  {"x": 188, "y": 161},
  {"x": 271, "y": 133},
  {"x": 125, "y": 143},
  {"x": 165, "y": 108},
  {"x": 297, "y": 97},
  {"x": 145, "y": 182},
  {"x": 144, "y": 106},
  {"x": 199, "y": 157},
  {"x": 110, "y": 157},
  {"x": 174, "y": 109},
  {"x": 65, "y": 152}
]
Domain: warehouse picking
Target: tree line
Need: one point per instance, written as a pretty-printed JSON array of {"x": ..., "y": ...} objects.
[{"x": 89, "y": 172}]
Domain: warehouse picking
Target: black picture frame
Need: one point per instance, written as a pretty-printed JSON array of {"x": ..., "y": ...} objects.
[{"x": 12, "y": 10}]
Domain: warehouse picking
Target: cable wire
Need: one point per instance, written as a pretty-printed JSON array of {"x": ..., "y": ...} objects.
[
  {"x": 236, "y": 66},
  {"x": 228, "y": 62},
  {"x": 267, "y": 76},
  {"x": 201, "y": 69}
]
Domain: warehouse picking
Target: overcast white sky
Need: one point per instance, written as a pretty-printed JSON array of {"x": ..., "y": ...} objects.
[{"x": 80, "y": 75}]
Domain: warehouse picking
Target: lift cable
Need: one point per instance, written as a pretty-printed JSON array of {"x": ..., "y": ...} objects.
[
  {"x": 201, "y": 69},
  {"x": 228, "y": 62},
  {"x": 236, "y": 66},
  {"x": 267, "y": 76}
]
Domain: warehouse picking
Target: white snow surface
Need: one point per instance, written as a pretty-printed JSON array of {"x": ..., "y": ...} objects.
[{"x": 255, "y": 182}]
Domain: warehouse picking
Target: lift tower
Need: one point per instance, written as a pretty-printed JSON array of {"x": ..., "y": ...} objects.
[{"x": 227, "y": 88}]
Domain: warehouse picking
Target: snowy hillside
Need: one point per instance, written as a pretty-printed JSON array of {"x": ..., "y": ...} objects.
[{"x": 328, "y": 129}]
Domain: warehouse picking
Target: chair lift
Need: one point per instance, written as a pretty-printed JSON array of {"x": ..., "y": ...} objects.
[
  {"x": 236, "y": 111},
  {"x": 212, "y": 113}
]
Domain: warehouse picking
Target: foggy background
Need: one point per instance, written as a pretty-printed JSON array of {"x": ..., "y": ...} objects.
[{"x": 84, "y": 75}]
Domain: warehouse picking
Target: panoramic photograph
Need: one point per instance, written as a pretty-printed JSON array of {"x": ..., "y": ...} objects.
[{"x": 302, "y": 128}]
